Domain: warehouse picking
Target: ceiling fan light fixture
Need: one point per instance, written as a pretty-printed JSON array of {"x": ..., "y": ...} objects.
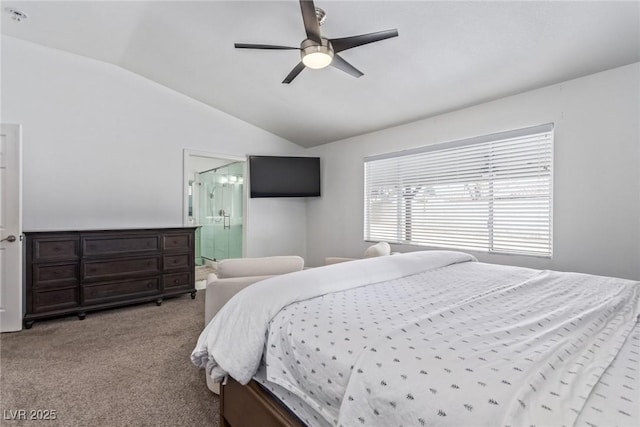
[
  {"x": 317, "y": 56},
  {"x": 317, "y": 60}
]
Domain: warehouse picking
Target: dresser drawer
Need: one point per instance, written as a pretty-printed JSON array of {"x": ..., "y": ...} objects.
[
  {"x": 177, "y": 242},
  {"x": 55, "y": 276},
  {"x": 113, "y": 291},
  {"x": 177, "y": 280},
  {"x": 115, "y": 268},
  {"x": 55, "y": 249},
  {"x": 114, "y": 245},
  {"x": 176, "y": 262},
  {"x": 57, "y": 299}
]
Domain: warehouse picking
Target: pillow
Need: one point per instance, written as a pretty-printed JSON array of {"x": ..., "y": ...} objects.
[{"x": 379, "y": 249}]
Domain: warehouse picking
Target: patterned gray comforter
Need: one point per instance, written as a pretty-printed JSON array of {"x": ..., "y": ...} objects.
[{"x": 463, "y": 345}]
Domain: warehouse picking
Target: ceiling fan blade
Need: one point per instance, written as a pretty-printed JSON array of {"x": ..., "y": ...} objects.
[
  {"x": 311, "y": 25},
  {"x": 263, "y": 46},
  {"x": 345, "y": 43},
  {"x": 292, "y": 75},
  {"x": 343, "y": 65}
]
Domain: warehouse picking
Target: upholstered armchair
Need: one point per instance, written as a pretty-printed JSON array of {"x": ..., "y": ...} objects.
[
  {"x": 235, "y": 274},
  {"x": 379, "y": 249}
]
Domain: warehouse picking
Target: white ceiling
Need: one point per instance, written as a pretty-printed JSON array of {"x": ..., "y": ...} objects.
[{"x": 449, "y": 54}]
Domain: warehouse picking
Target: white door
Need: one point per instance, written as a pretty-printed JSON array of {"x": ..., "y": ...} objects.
[{"x": 10, "y": 230}]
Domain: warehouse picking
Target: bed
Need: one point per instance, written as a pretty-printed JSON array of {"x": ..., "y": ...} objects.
[{"x": 430, "y": 338}]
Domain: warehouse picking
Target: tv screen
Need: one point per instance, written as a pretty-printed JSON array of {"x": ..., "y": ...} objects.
[{"x": 274, "y": 176}]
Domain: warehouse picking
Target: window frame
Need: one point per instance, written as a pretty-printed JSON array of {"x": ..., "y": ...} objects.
[{"x": 541, "y": 134}]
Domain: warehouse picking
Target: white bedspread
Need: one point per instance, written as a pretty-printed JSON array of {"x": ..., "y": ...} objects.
[
  {"x": 233, "y": 342},
  {"x": 445, "y": 342}
]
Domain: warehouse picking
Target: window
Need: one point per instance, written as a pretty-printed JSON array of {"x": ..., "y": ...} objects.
[{"x": 490, "y": 194}]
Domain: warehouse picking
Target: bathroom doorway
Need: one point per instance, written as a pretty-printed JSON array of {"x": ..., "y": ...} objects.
[{"x": 214, "y": 202}]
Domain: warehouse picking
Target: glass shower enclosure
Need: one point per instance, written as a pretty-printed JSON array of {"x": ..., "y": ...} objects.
[{"x": 218, "y": 196}]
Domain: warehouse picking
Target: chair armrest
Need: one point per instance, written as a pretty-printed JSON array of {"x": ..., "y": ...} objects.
[
  {"x": 244, "y": 267},
  {"x": 219, "y": 291},
  {"x": 334, "y": 260}
]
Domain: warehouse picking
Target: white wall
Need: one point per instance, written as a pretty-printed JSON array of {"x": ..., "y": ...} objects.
[
  {"x": 103, "y": 148},
  {"x": 596, "y": 218}
]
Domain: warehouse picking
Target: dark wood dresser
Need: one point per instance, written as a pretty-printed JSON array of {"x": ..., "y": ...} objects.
[{"x": 73, "y": 272}]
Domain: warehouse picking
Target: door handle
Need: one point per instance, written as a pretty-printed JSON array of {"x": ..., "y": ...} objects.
[{"x": 11, "y": 238}]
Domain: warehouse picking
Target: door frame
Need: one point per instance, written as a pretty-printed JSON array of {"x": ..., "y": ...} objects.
[
  {"x": 186, "y": 156},
  {"x": 14, "y": 226}
]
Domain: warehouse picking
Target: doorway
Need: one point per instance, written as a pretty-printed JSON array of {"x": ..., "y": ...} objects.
[
  {"x": 214, "y": 202},
  {"x": 10, "y": 229},
  {"x": 219, "y": 212}
]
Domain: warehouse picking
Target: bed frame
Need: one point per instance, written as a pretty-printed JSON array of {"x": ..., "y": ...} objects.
[{"x": 251, "y": 405}]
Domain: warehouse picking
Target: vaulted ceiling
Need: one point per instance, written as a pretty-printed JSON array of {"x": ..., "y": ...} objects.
[{"x": 448, "y": 55}]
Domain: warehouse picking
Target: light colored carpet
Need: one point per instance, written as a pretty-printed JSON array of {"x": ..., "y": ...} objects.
[{"x": 122, "y": 367}]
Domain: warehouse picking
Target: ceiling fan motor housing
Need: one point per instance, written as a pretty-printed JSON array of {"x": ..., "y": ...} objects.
[{"x": 316, "y": 55}]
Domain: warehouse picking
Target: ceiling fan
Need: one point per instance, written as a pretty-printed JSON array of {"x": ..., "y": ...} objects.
[{"x": 319, "y": 52}]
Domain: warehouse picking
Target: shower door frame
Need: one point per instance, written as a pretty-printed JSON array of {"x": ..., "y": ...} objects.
[{"x": 187, "y": 154}]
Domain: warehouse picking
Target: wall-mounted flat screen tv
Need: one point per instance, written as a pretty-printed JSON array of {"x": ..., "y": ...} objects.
[{"x": 276, "y": 176}]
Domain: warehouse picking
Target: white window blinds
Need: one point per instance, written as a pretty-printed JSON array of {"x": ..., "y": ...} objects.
[{"x": 491, "y": 194}]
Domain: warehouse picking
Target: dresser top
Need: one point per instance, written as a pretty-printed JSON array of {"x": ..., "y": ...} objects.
[{"x": 106, "y": 230}]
